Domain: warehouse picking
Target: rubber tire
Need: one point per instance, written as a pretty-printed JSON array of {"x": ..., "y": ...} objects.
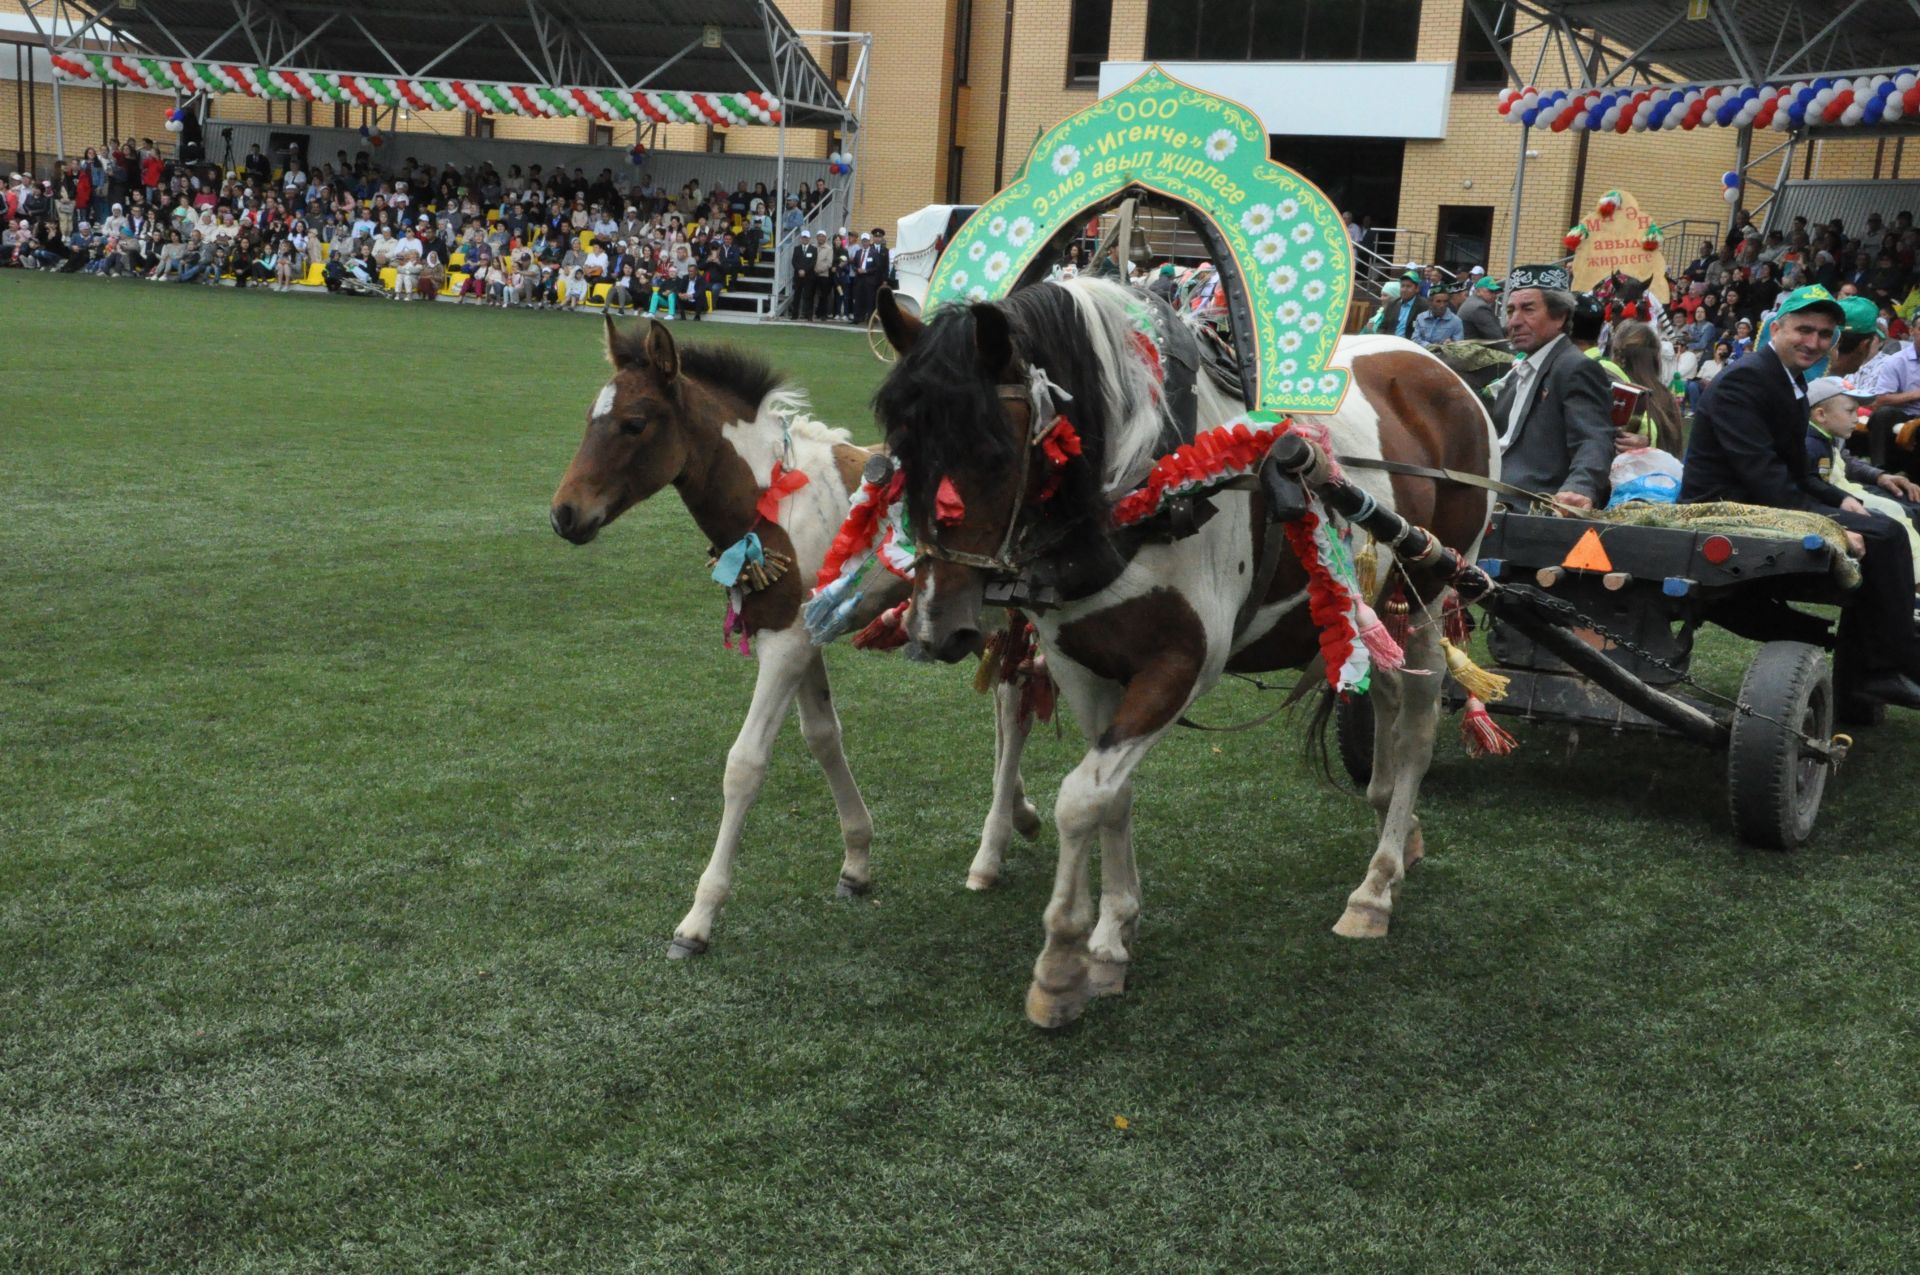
[
  {"x": 1353, "y": 736},
  {"x": 1773, "y": 789}
]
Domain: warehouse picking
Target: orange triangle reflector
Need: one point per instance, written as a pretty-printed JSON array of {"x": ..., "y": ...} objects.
[{"x": 1588, "y": 554}]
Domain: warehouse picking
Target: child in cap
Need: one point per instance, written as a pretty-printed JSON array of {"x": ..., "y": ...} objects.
[{"x": 1834, "y": 404}]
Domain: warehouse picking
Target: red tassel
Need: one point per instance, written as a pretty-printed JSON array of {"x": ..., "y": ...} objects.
[
  {"x": 1483, "y": 736},
  {"x": 1456, "y": 623},
  {"x": 1397, "y": 616},
  {"x": 888, "y": 630}
]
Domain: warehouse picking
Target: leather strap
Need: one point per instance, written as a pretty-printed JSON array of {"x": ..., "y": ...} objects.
[{"x": 1455, "y": 476}]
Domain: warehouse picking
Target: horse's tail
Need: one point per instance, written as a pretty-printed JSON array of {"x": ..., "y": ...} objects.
[{"x": 1316, "y": 744}]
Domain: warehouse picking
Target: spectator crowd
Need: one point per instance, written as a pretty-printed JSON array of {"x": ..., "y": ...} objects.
[{"x": 526, "y": 238}]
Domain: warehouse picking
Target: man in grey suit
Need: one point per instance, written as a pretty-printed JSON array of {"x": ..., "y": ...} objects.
[
  {"x": 1479, "y": 319},
  {"x": 1555, "y": 409}
]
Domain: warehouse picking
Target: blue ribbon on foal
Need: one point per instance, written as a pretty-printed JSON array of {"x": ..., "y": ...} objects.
[{"x": 727, "y": 569}]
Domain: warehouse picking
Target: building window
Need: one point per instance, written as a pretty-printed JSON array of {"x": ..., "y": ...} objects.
[
  {"x": 1283, "y": 30},
  {"x": 1087, "y": 37},
  {"x": 1480, "y": 66},
  {"x": 962, "y": 40},
  {"x": 1465, "y": 237},
  {"x": 483, "y": 126},
  {"x": 716, "y": 141},
  {"x": 600, "y": 135}
]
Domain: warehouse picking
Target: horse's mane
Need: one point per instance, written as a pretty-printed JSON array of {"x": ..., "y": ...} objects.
[
  {"x": 755, "y": 380},
  {"x": 947, "y": 412}
]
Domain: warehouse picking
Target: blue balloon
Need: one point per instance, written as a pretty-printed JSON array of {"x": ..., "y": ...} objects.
[
  {"x": 1797, "y": 112},
  {"x": 1595, "y": 115},
  {"x": 1527, "y": 117},
  {"x": 1725, "y": 114},
  {"x": 1824, "y": 82},
  {"x": 1870, "y": 113}
]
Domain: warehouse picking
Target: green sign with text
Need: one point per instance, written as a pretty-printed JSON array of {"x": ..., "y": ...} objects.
[{"x": 1288, "y": 244}]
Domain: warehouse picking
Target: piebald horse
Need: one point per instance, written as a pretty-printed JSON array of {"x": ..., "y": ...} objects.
[
  {"x": 713, "y": 422},
  {"x": 1130, "y": 656}
]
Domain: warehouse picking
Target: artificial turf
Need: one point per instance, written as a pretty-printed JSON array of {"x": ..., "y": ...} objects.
[{"x": 345, "y": 813}]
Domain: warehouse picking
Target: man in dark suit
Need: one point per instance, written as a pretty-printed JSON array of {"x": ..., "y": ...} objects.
[
  {"x": 1749, "y": 445},
  {"x": 1479, "y": 320},
  {"x": 873, "y": 269},
  {"x": 806, "y": 266},
  {"x": 1554, "y": 411}
]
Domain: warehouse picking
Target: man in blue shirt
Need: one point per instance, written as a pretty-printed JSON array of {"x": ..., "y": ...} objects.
[{"x": 1439, "y": 324}]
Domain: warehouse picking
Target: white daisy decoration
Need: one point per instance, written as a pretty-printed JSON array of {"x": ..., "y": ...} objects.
[
  {"x": 976, "y": 293},
  {"x": 960, "y": 279},
  {"x": 1020, "y": 231},
  {"x": 997, "y": 227},
  {"x": 1311, "y": 323},
  {"x": 1257, "y": 220},
  {"x": 977, "y": 251},
  {"x": 1289, "y": 366},
  {"x": 1315, "y": 289},
  {"x": 1313, "y": 260},
  {"x": 1288, "y": 209},
  {"x": 1289, "y": 342},
  {"x": 1288, "y": 313},
  {"x": 1329, "y": 383},
  {"x": 1269, "y": 249},
  {"x": 1221, "y": 144},
  {"x": 1281, "y": 279},
  {"x": 1302, "y": 232},
  {"x": 1066, "y": 159},
  {"x": 1285, "y": 387},
  {"x": 997, "y": 266}
]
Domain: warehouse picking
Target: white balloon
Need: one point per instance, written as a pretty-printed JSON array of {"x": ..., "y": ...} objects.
[
  {"x": 1853, "y": 114},
  {"x": 1904, "y": 81}
]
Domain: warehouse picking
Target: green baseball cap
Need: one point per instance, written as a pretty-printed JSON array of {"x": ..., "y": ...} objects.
[
  {"x": 1488, "y": 282},
  {"x": 1811, "y": 297},
  {"x": 1862, "y": 315}
]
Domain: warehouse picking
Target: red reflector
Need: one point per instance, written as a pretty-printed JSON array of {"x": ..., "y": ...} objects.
[{"x": 1717, "y": 549}]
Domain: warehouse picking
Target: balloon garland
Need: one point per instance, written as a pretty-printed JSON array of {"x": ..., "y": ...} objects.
[
  {"x": 530, "y": 101},
  {"x": 1826, "y": 101}
]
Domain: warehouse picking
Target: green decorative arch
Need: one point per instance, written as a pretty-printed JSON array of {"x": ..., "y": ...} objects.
[{"x": 1288, "y": 245}]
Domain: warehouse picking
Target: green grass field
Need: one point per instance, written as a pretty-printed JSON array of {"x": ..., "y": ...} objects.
[{"x": 345, "y": 813}]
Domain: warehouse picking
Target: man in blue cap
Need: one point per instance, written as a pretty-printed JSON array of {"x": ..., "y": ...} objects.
[{"x": 1749, "y": 446}]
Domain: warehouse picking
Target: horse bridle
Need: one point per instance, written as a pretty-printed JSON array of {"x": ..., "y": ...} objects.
[{"x": 1042, "y": 398}]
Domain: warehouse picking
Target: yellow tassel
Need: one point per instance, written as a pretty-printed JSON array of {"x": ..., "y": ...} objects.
[
  {"x": 1474, "y": 680},
  {"x": 989, "y": 670},
  {"x": 1366, "y": 566}
]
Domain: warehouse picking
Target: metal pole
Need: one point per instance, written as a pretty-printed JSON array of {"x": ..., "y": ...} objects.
[
  {"x": 782, "y": 277},
  {"x": 1519, "y": 191},
  {"x": 1742, "y": 152},
  {"x": 59, "y": 133}
]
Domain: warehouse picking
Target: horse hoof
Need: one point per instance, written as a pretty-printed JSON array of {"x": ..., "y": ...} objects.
[
  {"x": 683, "y": 948},
  {"x": 1107, "y": 978},
  {"x": 1362, "y": 921},
  {"x": 1026, "y": 821},
  {"x": 1050, "y": 1011},
  {"x": 980, "y": 881},
  {"x": 851, "y": 889}
]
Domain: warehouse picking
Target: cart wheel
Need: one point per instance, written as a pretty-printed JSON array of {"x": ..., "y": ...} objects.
[
  {"x": 1353, "y": 734},
  {"x": 877, "y": 340},
  {"x": 1773, "y": 786}
]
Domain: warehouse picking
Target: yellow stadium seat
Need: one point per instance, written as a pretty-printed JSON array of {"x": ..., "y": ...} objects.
[
  {"x": 597, "y": 294},
  {"x": 456, "y": 280},
  {"x": 314, "y": 277},
  {"x": 493, "y": 216},
  {"x": 586, "y": 240},
  {"x": 389, "y": 278},
  {"x": 457, "y": 259}
]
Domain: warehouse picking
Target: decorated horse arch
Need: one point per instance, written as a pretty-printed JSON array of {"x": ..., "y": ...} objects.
[{"x": 1280, "y": 243}]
